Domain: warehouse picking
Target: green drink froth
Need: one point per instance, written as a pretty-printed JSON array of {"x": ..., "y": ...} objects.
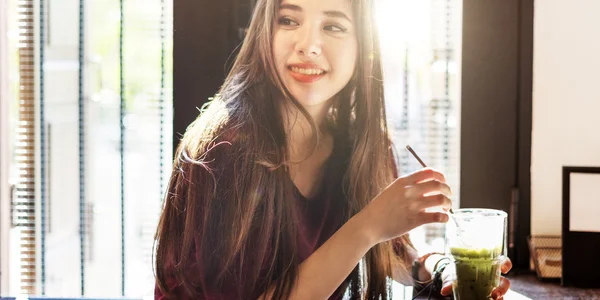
[{"x": 477, "y": 272}]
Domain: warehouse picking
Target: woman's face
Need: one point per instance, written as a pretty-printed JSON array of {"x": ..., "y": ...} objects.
[{"x": 315, "y": 48}]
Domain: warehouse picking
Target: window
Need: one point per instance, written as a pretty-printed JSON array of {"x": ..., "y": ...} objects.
[
  {"x": 421, "y": 50},
  {"x": 89, "y": 94}
]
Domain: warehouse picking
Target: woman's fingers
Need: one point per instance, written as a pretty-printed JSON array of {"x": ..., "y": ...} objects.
[
  {"x": 432, "y": 217},
  {"x": 432, "y": 187},
  {"x": 502, "y": 288},
  {"x": 439, "y": 200},
  {"x": 506, "y": 265},
  {"x": 426, "y": 174},
  {"x": 447, "y": 279},
  {"x": 446, "y": 288},
  {"x": 498, "y": 292},
  {"x": 401, "y": 206}
]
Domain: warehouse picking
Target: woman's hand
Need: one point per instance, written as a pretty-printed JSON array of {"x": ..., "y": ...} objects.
[
  {"x": 401, "y": 206},
  {"x": 498, "y": 293}
]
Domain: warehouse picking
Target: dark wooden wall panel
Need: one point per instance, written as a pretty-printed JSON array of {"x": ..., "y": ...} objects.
[
  {"x": 496, "y": 112},
  {"x": 203, "y": 39}
]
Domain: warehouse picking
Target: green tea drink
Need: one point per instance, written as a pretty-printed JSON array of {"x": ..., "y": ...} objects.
[
  {"x": 477, "y": 273},
  {"x": 476, "y": 244}
]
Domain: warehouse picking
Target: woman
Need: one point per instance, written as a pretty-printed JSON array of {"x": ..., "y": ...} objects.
[{"x": 287, "y": 181}]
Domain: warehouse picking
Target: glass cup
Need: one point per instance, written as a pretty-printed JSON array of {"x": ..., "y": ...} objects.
[{"x": 476, "y": 242}]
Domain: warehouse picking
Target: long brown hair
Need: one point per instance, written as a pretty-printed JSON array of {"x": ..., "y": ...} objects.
[{"x": 225, "y": 196}]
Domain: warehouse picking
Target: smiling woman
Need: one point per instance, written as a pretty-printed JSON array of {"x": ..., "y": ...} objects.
[
  {"x": 286, "y": 182},
  {"x": 288, "y": 173}
]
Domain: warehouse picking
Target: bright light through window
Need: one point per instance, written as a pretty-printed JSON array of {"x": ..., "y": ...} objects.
[{"x": 421, "y": 48}]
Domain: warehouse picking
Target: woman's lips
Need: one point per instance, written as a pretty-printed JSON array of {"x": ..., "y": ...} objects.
[{"x": 306, "y": 73}]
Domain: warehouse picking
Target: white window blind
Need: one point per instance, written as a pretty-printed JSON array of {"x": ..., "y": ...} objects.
[
  {"x": 24, "y": 195},
  {"x": 92, "y": 147},
  {"x": 5, "y": 209}
]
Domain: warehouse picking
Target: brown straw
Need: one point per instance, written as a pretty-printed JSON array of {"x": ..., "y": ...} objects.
[
  {"x": 416, "y": 156},
  {"x": 421, "y": 162}
]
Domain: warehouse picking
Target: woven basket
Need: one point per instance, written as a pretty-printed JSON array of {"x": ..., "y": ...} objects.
[{"x": 546, "y": 255}]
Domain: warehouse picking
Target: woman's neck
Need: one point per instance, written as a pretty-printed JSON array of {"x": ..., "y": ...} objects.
[
  {"x": 300, "y": 135},
  {"x": 306, "y": 160}
]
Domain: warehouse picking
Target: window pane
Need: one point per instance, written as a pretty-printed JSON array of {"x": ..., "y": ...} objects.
[
  {"x": 147, "y": 76},
  {"x": 420, "y": 44}
]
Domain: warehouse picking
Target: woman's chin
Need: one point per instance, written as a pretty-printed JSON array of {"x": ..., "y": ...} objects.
[{"x": 311, "y": 100}]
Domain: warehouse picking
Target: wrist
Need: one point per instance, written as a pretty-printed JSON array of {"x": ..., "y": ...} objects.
[
  {"x": 363, "y": 230},
  {"x": 431, "y": 262},
  {"x": 427, "y": 272},
  {"x": 424, "y": 266}
]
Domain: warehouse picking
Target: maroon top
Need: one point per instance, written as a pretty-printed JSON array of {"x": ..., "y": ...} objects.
[
  {"x": 317, "y": 222},
  {"x": 318, "y": 219}
]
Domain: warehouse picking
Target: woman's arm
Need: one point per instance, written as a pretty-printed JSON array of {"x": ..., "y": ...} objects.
[
  {"x": 325, "y": 270},
  {"x": 394, "y": 212}
]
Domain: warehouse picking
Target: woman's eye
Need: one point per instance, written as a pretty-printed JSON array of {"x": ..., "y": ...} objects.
[
  {"x": 286, "y": 21},
  {"x": 335, "y": 28}
]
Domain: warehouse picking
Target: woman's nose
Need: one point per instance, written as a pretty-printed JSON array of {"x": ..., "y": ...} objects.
[{"x": 308, "y": 41}]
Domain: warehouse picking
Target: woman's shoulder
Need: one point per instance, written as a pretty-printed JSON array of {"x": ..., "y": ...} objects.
[
  {"x": 210, "y": 150},
  {"x": 215, "y": 130}
]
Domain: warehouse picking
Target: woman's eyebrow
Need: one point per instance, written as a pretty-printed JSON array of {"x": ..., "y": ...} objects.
[{"x": 337, "y": 14}]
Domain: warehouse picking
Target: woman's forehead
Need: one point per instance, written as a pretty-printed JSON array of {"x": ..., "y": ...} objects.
[{"x": 319, "y": 4}]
